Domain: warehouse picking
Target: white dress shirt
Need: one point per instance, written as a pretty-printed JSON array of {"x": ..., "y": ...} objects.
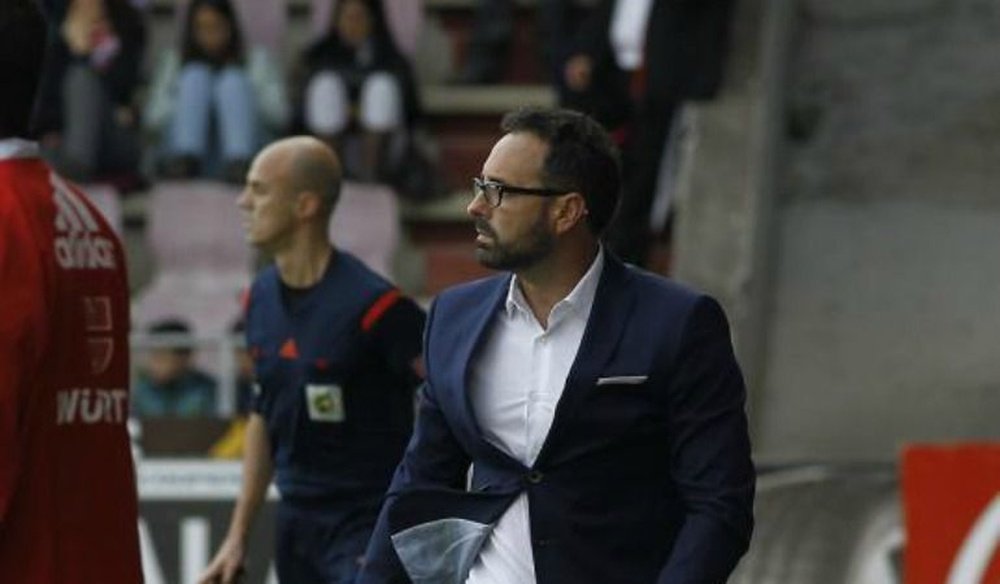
[
  {"x": 516, "y": 381},
  {"x": 628, "y": 32}
]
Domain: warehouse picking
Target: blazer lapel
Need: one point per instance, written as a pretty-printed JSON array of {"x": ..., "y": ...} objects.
[
  {"x": 608, "y": 317},
  {"x": 463, "y": 347}
]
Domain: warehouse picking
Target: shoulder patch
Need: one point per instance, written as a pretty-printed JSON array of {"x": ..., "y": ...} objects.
[{"x": 378, "y": 308}]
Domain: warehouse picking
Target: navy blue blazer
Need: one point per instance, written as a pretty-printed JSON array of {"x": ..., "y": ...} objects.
[{"x": 644, "y": 478}]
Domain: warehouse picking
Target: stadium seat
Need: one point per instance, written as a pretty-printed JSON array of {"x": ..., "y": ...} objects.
[
  {"x": 268, "y": 25},
  {"x": 202, "y": 259},
  {"x": 366, "y": 224}
]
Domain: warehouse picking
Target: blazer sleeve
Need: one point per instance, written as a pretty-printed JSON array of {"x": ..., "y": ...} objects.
[
  {"x": 710, "y": 453},
  {"x": 433, "y": 458},
  {"x": 394, "y": 324}
]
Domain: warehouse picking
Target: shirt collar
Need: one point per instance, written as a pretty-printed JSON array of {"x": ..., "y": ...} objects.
[
  {"x": 11, "y": 148},
  {"x": 580, "y": 299}
]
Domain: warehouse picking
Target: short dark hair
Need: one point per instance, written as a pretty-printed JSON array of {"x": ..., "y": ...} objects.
[
  {"x": 380, "y": 32},
  {"x": 581, "y": 157},
  {"x": 23, "y": 33},
  {"x": 232, "y": 53},
  {"x": 172, "y": 326}
]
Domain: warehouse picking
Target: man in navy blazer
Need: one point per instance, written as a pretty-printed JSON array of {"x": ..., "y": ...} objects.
[{"x": 582, "y": 420}]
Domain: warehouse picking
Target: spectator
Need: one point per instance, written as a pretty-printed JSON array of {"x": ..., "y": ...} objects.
[
  {"x": 492, "y": 29},
  {"x": 86, "y": 116},
  {"x": 404, "y": 18},
  {"x": 171, "y": 385},
  {"x": 214, "y": 102},
  {"x": 356, "y": 91},
  {"x": 647, "y": 57},
  {"x": 568, "y": 32}
]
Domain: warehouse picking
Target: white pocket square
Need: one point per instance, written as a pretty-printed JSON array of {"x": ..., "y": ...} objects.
[{"x": 622, "y": 380}]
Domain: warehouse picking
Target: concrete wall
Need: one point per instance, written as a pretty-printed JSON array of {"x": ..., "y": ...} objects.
[{"x": 861, "y": 261}]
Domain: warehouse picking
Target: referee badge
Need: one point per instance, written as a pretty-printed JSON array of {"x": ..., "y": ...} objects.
[{"x": 326, "y": 403}]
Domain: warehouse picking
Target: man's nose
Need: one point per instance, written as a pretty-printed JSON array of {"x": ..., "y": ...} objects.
[
  {"x": 477, "y": 207},
  {"x": 242, "y": 199}
]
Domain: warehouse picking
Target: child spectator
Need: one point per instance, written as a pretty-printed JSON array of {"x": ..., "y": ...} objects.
[
  {"x": 85, "y": 114},
  {"x": 214, "y": 102},
  {"x": 170, "y": 385},
  {"x": 356, "y": 91}
]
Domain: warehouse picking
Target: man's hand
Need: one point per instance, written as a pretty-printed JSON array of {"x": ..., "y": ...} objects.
[{"x": 227, "y": 565}]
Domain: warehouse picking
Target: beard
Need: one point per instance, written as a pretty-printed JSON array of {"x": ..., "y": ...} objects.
[{"x": 532, "y": 247}]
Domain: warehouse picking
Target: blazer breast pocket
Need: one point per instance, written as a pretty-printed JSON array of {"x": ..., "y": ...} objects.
[
  {"x": 621, "y": 381},
  {"x": 620, "y": 401}
]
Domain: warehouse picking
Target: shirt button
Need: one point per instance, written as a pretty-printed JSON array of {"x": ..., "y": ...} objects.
[{"x": 535, "y": 477}]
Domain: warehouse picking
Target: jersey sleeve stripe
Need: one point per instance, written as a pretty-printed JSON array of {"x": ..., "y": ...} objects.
[
  {"x": 66, "y": 218},
  {"x": 79, "y": 206},
  {"x": 378, "y": 308}
]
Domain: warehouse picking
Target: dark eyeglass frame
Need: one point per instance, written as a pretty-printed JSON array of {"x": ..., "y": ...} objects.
[{"x": 481, "y": 186}]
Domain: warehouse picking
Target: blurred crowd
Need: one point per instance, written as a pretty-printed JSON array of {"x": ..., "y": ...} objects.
[
  {"x": 217, "y": 95},
  {"x": 210, "y": 100}
]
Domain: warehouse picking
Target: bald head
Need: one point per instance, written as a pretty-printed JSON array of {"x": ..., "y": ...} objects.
[{"x": 309, "y": 165}]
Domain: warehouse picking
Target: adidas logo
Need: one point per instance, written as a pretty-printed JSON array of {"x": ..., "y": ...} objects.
[{"x": 80, "y": 244}]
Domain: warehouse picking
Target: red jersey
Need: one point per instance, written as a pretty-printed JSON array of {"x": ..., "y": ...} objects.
[{"x": 68, "y": 510}]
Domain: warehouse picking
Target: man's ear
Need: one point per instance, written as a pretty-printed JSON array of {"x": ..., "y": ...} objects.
[
  {"x": 568, "y": 211},
  {"x": 308, "y": 205}
]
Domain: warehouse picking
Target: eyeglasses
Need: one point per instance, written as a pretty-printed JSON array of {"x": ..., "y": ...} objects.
[{"x": 494, "y": 191}]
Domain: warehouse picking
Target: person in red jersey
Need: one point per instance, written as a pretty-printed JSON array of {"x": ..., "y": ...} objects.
[{"x": 68, "y": 509}]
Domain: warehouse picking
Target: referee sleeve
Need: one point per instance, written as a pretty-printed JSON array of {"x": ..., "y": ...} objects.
[{"x": 395, "y": 325}]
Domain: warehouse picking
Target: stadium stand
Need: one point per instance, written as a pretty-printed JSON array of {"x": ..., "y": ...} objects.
[
  {"x": 366, "y": 224},
  {"x": 203, "y": 262}
]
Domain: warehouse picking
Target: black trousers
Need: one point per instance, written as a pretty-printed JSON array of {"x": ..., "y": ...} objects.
[{"x": 629, "y": 234}]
